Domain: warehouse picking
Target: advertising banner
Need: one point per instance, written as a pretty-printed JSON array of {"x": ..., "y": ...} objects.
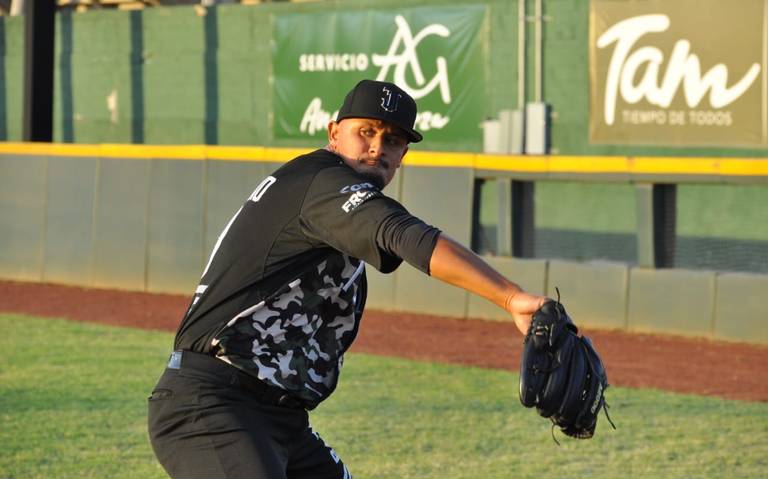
[
  {"x": 679, "y": 72},
  {"x": 435, "y": 54}
]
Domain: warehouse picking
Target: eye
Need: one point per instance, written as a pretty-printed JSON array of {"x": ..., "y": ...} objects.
[
  {"x": 366, "y": 131},
  {"x": 395, "y": 140}
]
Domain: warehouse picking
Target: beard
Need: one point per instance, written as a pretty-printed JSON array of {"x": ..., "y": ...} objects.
[
  {"x": 373, "y": 171},
  {"x": 373, "y": 178}
]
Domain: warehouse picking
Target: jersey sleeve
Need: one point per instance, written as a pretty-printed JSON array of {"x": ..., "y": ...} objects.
[
  {"x": 407, "y": 237},
  {"x": 352, "y": 215}
]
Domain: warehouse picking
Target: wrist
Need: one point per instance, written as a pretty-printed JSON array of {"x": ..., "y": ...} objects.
[{"x": 510, "y": 299}]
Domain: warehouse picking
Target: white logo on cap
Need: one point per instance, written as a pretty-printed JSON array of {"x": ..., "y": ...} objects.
[{"x": 388, "y": 101}]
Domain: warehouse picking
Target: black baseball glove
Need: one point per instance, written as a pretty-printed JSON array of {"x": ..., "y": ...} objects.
[{"x": 561, "y": 373}]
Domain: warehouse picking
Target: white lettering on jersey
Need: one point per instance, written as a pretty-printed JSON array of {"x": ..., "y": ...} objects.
[
  {"x": 357, "y": 199},
  {"x": 218, "y": 241},
  {"x": 255, "y": 196},
  {"x": 356, "y": 187},
  {"x": 262, "y": 188},
  {"x": 199, "y": 293}
]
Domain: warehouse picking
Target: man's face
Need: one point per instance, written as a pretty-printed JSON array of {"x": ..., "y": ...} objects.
[{"x": 373, "y": 148}]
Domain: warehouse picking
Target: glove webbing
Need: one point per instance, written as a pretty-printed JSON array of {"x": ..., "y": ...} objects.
[{"x": 605, "y": 410}]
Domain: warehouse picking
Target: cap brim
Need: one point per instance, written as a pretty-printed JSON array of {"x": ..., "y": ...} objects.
[{"x": 415, "y": 136}]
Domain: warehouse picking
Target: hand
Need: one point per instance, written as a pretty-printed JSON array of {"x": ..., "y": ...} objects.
[{"x": 522, "y": 306}]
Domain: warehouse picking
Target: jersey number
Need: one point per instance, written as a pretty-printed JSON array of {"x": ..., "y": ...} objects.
[
  {"x": 262, "y": 188},
  {"x": 255, "y": 196}
]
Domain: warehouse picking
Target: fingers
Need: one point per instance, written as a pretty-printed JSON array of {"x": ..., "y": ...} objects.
[
  {"x": 527, "y": 303},
  {"x": 522, "y": 308}
]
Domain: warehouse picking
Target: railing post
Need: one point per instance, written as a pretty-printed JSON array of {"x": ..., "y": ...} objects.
[
  {"x": 522, "y": 219},
  {"x": 39, "y": 41},
  {"x": 504, "y": 221},
  {"x": 656, "y": 224}
]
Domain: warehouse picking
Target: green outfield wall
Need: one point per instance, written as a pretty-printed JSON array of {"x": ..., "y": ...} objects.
[{"x": 184, "y": 75}]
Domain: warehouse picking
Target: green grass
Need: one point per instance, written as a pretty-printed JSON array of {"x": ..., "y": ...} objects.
[{"x": 73, "y": 405}]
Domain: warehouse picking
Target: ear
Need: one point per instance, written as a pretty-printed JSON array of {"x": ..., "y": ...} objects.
[
  {"x": 403, "y": 156},
  {"x": 333, "y": 133}
]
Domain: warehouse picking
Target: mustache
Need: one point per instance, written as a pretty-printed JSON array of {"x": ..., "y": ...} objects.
[{"x": 368, "y": 160}]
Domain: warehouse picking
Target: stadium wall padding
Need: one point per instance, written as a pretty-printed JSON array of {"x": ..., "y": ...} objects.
[
  {"x": 594, "y": 290},
  {"x": 68, "y": 238},
  {"x": 680, "y": 301},
  {"x": 739, "y": 307},
  {"x": 450, "y": 211},
  {"x": 22, "y": 215},
  {"x": 148, "y": 224}
]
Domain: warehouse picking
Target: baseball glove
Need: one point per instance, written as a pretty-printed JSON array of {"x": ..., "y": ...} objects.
[{"x": 561, "y": 374}]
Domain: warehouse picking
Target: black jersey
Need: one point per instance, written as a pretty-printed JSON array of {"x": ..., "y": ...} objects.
[{"x": 282, "y": 294}]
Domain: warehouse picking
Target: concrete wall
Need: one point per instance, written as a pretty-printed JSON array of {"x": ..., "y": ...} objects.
[
  {"x": 146, "y": 223},
  {"x": 138, "y": 224}
]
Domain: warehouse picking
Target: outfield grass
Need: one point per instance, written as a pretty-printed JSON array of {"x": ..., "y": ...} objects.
[{"x": 73, "y": 404}]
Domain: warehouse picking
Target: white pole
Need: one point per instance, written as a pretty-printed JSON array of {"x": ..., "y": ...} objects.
[
  {"x": 539, "y": 25},
  {"x": 521, "y": 54},
  {"x": 17, "y": 7}
]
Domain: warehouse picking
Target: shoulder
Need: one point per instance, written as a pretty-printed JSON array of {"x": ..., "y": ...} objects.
[{"x": 314, "y": 161}]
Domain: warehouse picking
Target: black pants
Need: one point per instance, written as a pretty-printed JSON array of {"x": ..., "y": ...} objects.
[{"x": 204, "y": 424}]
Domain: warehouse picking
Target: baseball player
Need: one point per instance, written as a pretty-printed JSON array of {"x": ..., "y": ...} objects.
[{"x": 282, "y": 295}]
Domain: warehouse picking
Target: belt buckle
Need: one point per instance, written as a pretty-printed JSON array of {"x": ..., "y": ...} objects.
[{"x": 174, "y": 362}]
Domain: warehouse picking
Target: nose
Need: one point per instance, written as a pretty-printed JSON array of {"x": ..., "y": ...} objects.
[{"x": 374, "y": 146}]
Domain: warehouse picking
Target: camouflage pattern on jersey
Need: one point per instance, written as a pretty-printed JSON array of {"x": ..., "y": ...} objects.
[{"x": 296, "y": 338}]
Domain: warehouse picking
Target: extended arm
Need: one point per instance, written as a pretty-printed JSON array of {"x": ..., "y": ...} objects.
[{"x": 455, "y": 264}]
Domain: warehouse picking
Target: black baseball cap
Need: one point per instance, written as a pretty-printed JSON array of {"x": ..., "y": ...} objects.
[{"x": 381, "y": 101}]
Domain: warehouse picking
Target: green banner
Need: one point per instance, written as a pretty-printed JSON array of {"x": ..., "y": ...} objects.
[{"x": 435, "y": 54}]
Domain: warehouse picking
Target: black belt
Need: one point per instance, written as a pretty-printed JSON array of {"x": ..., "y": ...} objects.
[{"x": 262, "y": 391}]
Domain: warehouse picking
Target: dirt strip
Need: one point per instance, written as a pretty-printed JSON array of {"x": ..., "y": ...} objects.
[{"x": 698, "y": 366}]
